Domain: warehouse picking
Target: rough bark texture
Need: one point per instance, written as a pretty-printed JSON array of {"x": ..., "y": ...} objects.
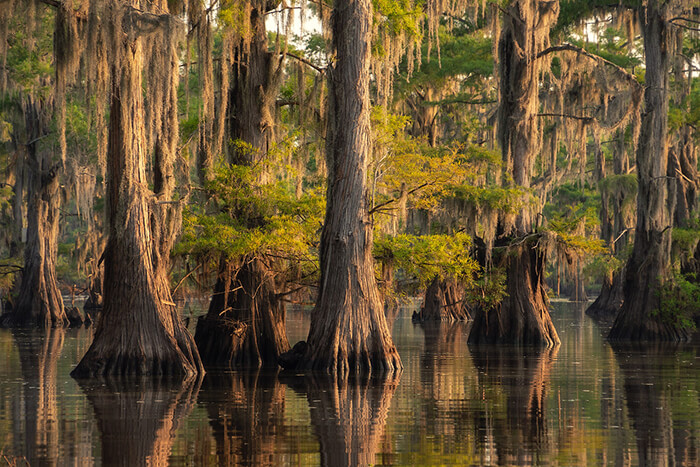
[
  {"x": 649, "y": 266},
  {"x": 245, "y": 324},
  {"x": 140, "y": 331},
  {"x": 138, "y": 418},
  {"x": 348, "y": 330},
  {"x": 39, "y": 302},
  {"x": 522, "y": 317},
  {"x": 444, "y": 300},
  {"x": 247, "y": 416},
  {"x": 609, "y": 302}
]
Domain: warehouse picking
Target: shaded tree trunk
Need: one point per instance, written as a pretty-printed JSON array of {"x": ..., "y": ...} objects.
[
  {"x": 445, "y": 300},
  {"x": 245, "y": 324},
  {"x": 610, "y": 299},
  {"x": 140, "y": 331},
  {"x": 649, "y": 266},
  {"x": 39, "y": 302},
  {"x": 522, "y": 317},
  {"x": 348, "y": 330}
]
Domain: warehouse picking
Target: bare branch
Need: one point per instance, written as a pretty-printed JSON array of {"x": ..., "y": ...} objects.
[
  {"x": 578, "y": 50},
  {"x": 304, "y": 61}
]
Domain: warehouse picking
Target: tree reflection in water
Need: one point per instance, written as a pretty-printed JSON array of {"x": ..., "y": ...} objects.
[
  {"x": 521, "y": 377},
  {"x": 38, "y": 355},
  {"x": 246, "y": 414},
  {"x": 348, "y": 415},
  {"x": 138, "y": 416},
  {"x": 657, "y": 400}
]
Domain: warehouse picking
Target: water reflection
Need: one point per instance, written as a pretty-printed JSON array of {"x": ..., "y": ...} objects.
[
  {"x": 348, "y": 416},
  {"x": 653, "y": 380},
  {"x": 138, "y": 417},
  {"x": 38, "y": 356},
  {"x": 514, "y": 383},
  {"x": 246, "y": 413}
]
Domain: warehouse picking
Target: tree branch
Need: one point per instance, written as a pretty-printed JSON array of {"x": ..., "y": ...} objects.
[
  {"x": 304, "y": 61},
  {"x": 393, "y": 200},
  {"x": 578, "y": 50},
  {"x": 575, "y": 117}
]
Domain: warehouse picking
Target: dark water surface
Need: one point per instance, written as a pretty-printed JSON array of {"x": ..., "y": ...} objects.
[{"x": 584, "y": 403}]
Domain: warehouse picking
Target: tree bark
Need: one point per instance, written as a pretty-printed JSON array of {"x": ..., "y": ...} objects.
[
  {"x": 140, "y": 331},
  {"x": 610, "y": 299},
  {"x": 445, "y": 300},
  {"x": 349, "y": 332},
  {"x": 522, "y": 317},
  {"x": 649, "y": 266},
  {"x": 245, "y": 324},
  {"x": 39, "y": 302}
]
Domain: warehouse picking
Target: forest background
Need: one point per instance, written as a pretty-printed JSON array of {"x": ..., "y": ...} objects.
[{"x": 510, "y": 144}]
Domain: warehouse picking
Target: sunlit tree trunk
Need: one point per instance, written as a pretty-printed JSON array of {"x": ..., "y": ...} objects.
[
  {"x": 445, "y": 300},
  {"x": 522, "y": 317},
  {"x": 349, "y": 332},
  {"x": 649, "y": 267},
  {"x": 39, "y": 302},
  {"x": 140, "y": 331}
]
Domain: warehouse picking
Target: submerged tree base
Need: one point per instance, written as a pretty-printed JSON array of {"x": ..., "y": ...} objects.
[
  {"x": 245, "y": 324},
  {"x": 523, "y": 317},
  {"x": 610, "y": 300},
  {"x": 444, "y": 301}
]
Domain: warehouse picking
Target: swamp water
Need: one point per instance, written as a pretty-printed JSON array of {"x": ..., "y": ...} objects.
[{"x": 584, "y": 403}]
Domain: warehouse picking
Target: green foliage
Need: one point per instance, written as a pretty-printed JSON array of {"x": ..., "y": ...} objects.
[
  {"x": 429, "y": 256},
  {"x": 679, "y": 301},
  {"x": 249, "y": 218},
  {"x": 488, "y": 290}
]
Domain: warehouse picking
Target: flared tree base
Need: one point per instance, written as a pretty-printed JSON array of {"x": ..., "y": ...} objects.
[
  {"x": 522, "y": 318},
  {"x": 444, "y": 301}
]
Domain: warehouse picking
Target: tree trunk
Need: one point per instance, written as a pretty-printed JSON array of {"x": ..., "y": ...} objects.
[
  {"x": 140, "y": 331},
  {"x": 39, "y": 302},
  {"x": 245, "y": 324},
  {"x": 649, "y": 266},
  {"x": 348, "y": 331},
  {"x": 608, "y": 303},
  {"x": 522, "y": 317},
  {"x": 445, "y": 300}
]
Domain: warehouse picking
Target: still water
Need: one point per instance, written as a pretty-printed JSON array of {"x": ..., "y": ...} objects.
[{"x": 584, "y": 403}]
